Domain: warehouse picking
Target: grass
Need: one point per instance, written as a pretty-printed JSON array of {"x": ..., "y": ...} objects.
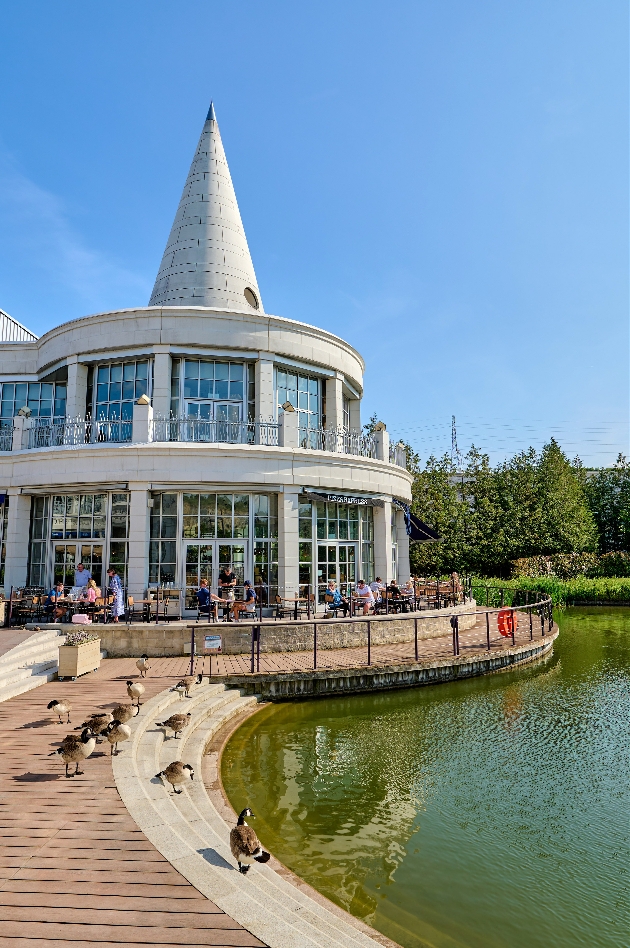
[{"x": 568, "y": 592}]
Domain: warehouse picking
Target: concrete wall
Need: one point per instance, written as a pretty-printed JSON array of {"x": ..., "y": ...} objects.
[{"x": 159, "y": 640}]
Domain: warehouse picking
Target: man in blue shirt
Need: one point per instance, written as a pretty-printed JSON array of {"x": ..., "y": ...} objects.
[{"x": 205, "y": 597}]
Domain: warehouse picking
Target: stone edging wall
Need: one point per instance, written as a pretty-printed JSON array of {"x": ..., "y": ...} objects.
[{"x": 156, "y": 641}]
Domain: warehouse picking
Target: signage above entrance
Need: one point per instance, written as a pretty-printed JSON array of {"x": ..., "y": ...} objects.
[{"x": 343, "y": 499}]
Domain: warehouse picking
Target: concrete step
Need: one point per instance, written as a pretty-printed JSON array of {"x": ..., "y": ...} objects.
[
  {"x": 23, "y": 673},
  {"x": 21, "y": 685},
  {"x": 188, "y": 830}
]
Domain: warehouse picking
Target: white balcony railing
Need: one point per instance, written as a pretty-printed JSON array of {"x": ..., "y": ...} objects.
[{"x": 74, "y": 432}]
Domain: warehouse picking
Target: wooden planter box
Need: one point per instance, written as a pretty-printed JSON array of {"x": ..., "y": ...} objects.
[{"x": 75, "y": 660}]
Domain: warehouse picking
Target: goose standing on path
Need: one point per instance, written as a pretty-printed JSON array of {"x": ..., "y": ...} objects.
[
  {"x": 143, "y": 666},
  {"x": 116, "y": 733},
  {"x": 245, "y": 844},
  {"x": 184, "y": 685},
  {"x": 75, "y": 749},
  {"x": 134, "y": 690},
  {"x": 177, "y": 774},
  {"x": 125, "y": 712},
  {"x": 60, "y": 707},
  {"x": 176, "y": 723},
  {"x": 97, "y": 723}
]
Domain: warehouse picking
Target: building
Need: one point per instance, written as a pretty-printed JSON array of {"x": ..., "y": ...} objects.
[{"x": 196, "y": 432}]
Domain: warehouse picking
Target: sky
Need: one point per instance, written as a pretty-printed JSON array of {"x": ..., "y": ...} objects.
[{"x": 442, "y": 183}]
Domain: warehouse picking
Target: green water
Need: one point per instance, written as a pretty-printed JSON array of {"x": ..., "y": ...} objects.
[{"x": 493, "y": 813}]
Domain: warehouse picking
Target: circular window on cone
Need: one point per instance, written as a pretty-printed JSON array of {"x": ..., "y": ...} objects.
[{"x": 251, "y": 297}]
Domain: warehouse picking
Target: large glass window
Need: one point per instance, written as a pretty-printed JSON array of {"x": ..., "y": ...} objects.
[
  {"x": 213, "y": 381},
  {"x": 344, "y": 550},
  {"x": 118, "y": 386},
  {"x": 215, "y": 515},
  {"x": 266, "y": 570},
  {"x": 45, "y": 399},
  {"x": 78, "y": 516},
  {"x": 304, "y": 393},
  {"x": 163, "y": 544},
  {"x": 265, "y": 515}
]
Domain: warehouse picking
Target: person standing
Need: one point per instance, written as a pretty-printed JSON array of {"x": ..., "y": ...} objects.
[
  {"x": 116, "y": 590},
  {"x": 227, "y": 581},
  {"x": 82, "y": 576}
]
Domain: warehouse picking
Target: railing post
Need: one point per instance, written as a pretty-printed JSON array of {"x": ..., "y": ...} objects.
[
  {"x": 531, "y": 628},
  {"x": 488, "y": 630},
  {"x": 253, "y": 641},
  {"x": 502, "y": 591},
  {"x": 192, "y": 651},
  {"x": 415, "y": 636},
  {"x": 142, "y": 424},
  {"x": 512, "y": 618},
  {"x": 258, "y": 630},
  {"x": 542, "y": 622},
  {"x": 314, "y": 646},
  {"x": 381, "y": 443},
  {"x": 369, "y": 642}
]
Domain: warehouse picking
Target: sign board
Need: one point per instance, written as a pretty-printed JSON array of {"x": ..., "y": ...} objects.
[
  {"x": 212, "y": 643},
  {"x": 344, "y": 499}
]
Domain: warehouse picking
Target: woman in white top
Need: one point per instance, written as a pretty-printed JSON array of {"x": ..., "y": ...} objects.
[{"x": 364, "y": 593}]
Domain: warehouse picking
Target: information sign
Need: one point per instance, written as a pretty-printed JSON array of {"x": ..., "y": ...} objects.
[{"x": 212, "y": 643}]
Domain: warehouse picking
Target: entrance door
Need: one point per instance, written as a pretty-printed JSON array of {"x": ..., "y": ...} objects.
[
  {"x": 337, "y": 561},
  {"x": 64, "y": 563},
  {"x": 92, "y": 558},
  {"x": 199, "y": 559},
  {"x": 205, "y": 560}
]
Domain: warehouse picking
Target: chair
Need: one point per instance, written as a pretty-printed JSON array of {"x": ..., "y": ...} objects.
[
  {"x": 172, "y": 609},
  {"x": 135, "y": 611},
  {"x": 283, "y": 609},
  {"x": 333, "y": 610}
]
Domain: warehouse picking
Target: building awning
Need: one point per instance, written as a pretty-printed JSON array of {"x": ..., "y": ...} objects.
[{"x": 342, "y": 499}]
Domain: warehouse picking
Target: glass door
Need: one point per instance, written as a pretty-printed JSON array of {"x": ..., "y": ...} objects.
[
  {"x": 199, "y": 559},
  {"x": 91, "y": 555},
  {"x": 231, "y": 558},
  {"x": 64, "y": 563},
  {"x": 337, "y": 561},
  {"x": 227, "y": 416}
]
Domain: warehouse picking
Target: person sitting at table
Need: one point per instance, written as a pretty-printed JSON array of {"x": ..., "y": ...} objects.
[
  {"x": 377, "y": 589},
  {"x": 248, "y": 604},
  {"x": 52, "y": 604},
  {"x": 334, "y": 598},
  {"x": 90, "y": 593},
  {"x": 205, "y": 597},
  {"x": 394, "y": 589},
  {"x": 227, "y": 581},
  {"x": 364, "y": 594},
  {"x": 82, "y": 576}
]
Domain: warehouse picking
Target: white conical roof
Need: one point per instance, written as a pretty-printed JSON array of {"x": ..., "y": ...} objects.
[
  {"x": 207, "y": 260},
  {"x": 12, "y": 331}
]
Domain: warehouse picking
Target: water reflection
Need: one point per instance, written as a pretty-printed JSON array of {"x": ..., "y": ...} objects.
[{"x": 482, "y": 813}]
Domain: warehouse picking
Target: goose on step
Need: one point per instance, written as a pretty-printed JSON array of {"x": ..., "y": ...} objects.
[
  {"x": 176, "y": 723},
  {"x": 245, "y": 844},
  {"x": 177, "y": 774},
  {"x": 184, "y": 685},
  {"x": 124, "y": 712},
  {"x": 116, "y": 733},
  {"x": 135, "y": 690}
]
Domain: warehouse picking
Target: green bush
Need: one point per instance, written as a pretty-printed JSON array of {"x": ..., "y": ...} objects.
[
  {"x": 573, "y": 565},
  {"x": 581, "y": 590}
]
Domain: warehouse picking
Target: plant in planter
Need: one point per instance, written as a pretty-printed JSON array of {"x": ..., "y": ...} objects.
[{"x": 81, "y": 653}]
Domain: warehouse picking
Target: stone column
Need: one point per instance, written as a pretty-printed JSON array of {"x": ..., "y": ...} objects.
[
  {"x": 288, "y": 431},
  {"x": 355, "y": 413},
  {"x": 142, "y": 428},
  {"x": 76, "y": 392},
  {"x": 381, "y": 438},
  {"x": 383, "y": 541},
  {"x": 404, "y": 567},
  {"x": 265, "y": 407},
  {"x": 334, "y": 402},
  {"x": 17, "y": 540},
  {"x": 161, "y": 381},
  {"x": 139, "y": 524},
  {"x": 21, "y": 425},
  {"x": 288, "y": 540}
]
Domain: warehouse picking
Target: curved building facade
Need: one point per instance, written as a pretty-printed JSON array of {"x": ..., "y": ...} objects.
[{"x": 197, "y": 432}]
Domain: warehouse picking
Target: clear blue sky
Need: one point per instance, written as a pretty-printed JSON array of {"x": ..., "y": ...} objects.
[{"x": 443, "y": 183}]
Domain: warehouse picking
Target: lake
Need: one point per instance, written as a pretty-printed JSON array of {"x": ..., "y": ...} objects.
[{"x": 489, "y": 813}]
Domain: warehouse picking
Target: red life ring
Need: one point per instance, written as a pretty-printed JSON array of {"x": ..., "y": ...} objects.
[{"x": 507, "y": 622}]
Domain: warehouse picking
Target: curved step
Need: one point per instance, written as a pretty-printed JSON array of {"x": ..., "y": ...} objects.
[
  {"x": 31, "y": 663},
  {"x": 190, "y": 833}
]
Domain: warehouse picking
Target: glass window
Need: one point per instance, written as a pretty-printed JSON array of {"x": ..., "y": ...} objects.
[
  {"x": 209, "y": 381},
  {"x": 78, "y": 516},
  {"x": 266, "y": 570},
  {"x": 118, "y": 386},
  {"x": 265, "y": 515},
  {"x": 304, "y": 393},
  {"x": 45, "y": 399},
  {"x": 225, "y": 516}
]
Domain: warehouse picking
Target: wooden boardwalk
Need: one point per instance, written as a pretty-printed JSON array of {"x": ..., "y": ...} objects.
[
  {"x": 471, "y": 642},
  {"x": 75, "y": 870}
]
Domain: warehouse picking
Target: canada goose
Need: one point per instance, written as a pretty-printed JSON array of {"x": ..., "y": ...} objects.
[
  {"x": 125, "y": 712},
  {"x": 75, "y": 749},
  {"x": 134, "y": 690},
  {"x": 60, "y": 707},
  {"x": 116, "y": 733},
  {"x": 245, "y": 845},
  {"x": 184, "y": 685},
  {"x": 176, "y": 723},
  {"x": 142, "y": 665},
  {"x": 97, "y": 723},
  {"x": 177, "y": 773}
]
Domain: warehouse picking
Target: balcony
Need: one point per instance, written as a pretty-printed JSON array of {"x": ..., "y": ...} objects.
[{"x": 33, "y": 434}]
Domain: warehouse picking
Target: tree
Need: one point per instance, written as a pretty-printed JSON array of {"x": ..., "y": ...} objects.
[{"x": 608, "y": 495}]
